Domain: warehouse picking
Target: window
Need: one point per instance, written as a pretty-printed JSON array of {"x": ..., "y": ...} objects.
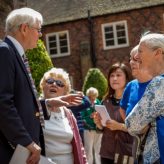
[
  {"x": 115, "y": 35},
  {"x": 71, "y": 81},
  {"x": 58, "y": 44}
]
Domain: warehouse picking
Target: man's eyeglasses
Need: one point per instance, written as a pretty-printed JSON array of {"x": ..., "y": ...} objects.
[
  {"x": 38, "y": 29},
  {"x": 58, "y": 82}
]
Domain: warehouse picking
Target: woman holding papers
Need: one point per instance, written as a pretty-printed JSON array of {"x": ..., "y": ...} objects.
[
  {"x": 62, "y": 140},
  {"x": 114, "y": 133}
]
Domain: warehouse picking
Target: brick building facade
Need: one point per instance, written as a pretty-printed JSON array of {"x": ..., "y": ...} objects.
[
  {"x": 88, "y": 39},
  {"x": 5, "y": 7},
  {"x": 79, "y": 60}
]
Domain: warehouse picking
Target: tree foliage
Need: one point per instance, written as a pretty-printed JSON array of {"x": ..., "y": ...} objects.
[
  {"x": 95, "y": 78},
  {"x": 39, "y": 62}
]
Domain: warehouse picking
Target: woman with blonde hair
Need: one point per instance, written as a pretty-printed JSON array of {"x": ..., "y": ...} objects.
[{"x": 62, "y": 140}]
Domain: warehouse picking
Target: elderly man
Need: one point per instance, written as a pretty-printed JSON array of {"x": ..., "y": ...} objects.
[
  {"x": 150, "y": 109},
  {"x": 20, "y": 111}
]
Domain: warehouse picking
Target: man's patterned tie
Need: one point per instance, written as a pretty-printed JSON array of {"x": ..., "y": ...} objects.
[{"x": 41, "y": 116}]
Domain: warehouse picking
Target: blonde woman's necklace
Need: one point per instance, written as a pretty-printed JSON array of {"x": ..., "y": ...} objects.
[{"x": 58, "y": 115}]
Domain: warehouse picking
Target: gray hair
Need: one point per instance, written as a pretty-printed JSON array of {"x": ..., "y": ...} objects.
[
  {"x": 134, "y": 50},
  {"x": 153, "y": 41},
  {"x": 22, "y": 16},
  {"x": 92, "y": 92}
]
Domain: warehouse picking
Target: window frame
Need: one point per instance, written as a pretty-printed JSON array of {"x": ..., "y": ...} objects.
[
  {"x": 59, "y": 54},
  {"x": 116, "y": 45}
]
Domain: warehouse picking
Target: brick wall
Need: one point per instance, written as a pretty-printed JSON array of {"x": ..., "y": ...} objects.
[
  {"x": 5, "y": 7},
  {"x": 138, "y": 21},
  {"x": 78, "y": 33}
]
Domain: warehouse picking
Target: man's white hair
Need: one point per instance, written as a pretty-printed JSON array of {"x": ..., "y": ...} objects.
[{"x": 22, "y": 16}]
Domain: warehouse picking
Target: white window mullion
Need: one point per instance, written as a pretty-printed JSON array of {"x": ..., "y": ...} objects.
[
  {"x": 115, "y": 34},
  {"x": 58, "y": 44}
]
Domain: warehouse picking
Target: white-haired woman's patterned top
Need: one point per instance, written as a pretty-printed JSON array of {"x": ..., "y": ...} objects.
[{"x": 146, "y": 111}]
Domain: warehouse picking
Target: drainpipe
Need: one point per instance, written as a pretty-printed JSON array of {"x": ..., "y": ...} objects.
[{"x": 92, "y": 44}]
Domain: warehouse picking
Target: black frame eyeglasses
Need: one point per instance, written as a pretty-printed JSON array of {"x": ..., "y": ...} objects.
[{"x": 59, "y": 83}]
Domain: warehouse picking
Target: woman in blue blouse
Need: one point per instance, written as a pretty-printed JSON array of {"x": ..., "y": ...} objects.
[{"x": 134, "y": 89}]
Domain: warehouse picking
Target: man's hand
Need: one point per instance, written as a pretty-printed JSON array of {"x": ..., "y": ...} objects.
[
  {"x": 67, "y": 100},
  {"x": 35, "y": 153}
]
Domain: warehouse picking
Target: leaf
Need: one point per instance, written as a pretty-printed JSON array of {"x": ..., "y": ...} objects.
[
  {"x": 39, "y": 61},
  {"x": 95, "y": 78}
]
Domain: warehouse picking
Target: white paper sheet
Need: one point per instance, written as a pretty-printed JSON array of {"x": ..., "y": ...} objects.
[
  {"x": 21, "y": 154},
  {"x": 103, "y": 113}
]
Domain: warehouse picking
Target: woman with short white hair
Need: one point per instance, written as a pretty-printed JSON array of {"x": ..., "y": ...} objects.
[
  {"x": 92, "y": 138},
  {"x": 150, "y": 109}
]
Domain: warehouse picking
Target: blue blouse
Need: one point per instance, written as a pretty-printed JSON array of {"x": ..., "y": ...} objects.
[{"x": 132, "y": 94}]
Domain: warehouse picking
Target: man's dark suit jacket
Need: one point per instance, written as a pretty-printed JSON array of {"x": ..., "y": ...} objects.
[{"x": 18, "y": 121}]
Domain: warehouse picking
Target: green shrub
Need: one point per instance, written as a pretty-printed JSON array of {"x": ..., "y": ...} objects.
[
  {"x": 39, "y": 62},
  {"x": 95, "y": 78}
]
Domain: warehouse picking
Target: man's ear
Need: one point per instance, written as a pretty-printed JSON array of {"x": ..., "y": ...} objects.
[
  {"x": 159, "y": 51},
  {"x": 23, "y": 28}
]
